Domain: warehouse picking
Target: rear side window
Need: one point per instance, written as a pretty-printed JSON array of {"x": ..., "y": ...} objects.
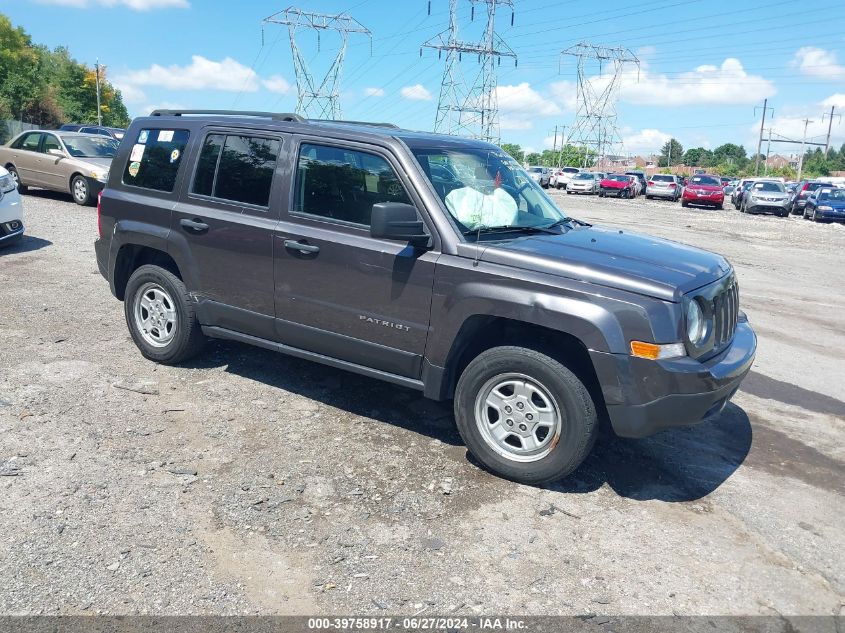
[
  {"x": 28, "y": 141},
  {"x": 344, "y": 184},
  {"x": 237, "y": 168},
  {"x": 155, "y": 158}
]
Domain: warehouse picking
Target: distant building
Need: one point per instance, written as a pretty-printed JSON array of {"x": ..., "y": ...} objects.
[{"x": 777, "y": 161}]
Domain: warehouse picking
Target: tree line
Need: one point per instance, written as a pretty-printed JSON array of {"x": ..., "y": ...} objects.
[
  {"x": 728, "y": 159},
  {"x": 48, "y": 87}
]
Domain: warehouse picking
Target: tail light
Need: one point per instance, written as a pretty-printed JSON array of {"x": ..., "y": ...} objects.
[
  {"x": 672, "y": 185},
  {"x": 650, "y": 184},
  {"x": 805, "y": 187},
  {"x": 100, "y": 213}
]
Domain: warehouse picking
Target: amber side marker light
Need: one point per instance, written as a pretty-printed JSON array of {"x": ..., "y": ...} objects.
[{"x": 652, "y": 351}]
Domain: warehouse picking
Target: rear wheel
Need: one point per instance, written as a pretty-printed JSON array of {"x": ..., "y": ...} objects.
[
  {"x": 161, "y": 317},
  {"x": 22, "y": 188},
  {"x": 524, "y": 415}
]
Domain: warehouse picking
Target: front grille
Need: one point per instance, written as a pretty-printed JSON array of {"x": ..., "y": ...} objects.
[{"x": 725, "y": 311}]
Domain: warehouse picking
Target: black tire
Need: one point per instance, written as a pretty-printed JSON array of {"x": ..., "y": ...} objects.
[
  {"x": 648, "y": 197},
  {"x": 188, "y": 340},
  {"x": 684, "y": 203},
  {"x": 579, "y": 422},
  {"x": 17, "y": 178},
  {"x": 80, "y": 190},
  {"x": 719, "y": 207}
]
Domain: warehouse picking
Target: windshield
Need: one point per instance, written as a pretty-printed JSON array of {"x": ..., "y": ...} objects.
[
  {"x": 583, "y": 177},
  {"x": 769, "y": 186},
  {"x": 535, "y": 170},
  {"x": 706, "y": 180},
  {"x": 832, "y": 194},
  {"x": 490, "y": 190},
  {"x": 90, "y": 146}
]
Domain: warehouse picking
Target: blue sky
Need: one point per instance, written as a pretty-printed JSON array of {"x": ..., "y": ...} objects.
[{"x": 705, "y": 63}]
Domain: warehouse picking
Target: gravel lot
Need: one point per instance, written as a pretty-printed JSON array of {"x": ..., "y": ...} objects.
[{"x": 249, "y": 482}]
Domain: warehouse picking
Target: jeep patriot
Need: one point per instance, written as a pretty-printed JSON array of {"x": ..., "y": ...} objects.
[{"x": 429, "y": 261}]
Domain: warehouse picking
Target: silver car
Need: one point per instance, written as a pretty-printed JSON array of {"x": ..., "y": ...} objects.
[
  {"x": 663, "y": 186},
  {"x": 540, "y": 175},
  {"x": 68, "y": 162},
  {"x": 584, "y": 182},
  {"x": 767, "y": 197}
]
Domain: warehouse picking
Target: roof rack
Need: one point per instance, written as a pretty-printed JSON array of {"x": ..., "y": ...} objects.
[
  {"x": 373, "y": 123},
  {"x": 276, "y": 116}
]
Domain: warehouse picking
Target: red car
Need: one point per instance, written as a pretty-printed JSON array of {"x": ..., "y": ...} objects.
[
  {"x": 620, "y": 185},
  {"x": 704, "y": 189}
]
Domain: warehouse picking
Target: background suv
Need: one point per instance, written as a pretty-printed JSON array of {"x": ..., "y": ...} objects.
[
  {"x": 663, "y": 186},
  {"x": 704, "y": 189}
]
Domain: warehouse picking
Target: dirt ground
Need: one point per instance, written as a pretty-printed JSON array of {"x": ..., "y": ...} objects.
[{"x": 249, "y": 482}]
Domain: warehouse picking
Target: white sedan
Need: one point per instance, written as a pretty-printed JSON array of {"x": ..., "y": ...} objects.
[{"x": 11, "y": 210}]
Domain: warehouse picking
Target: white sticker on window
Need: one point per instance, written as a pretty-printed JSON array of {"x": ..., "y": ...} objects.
[
  {"x": 165, "y": 136},
  {"x": 137, "y": 152}
]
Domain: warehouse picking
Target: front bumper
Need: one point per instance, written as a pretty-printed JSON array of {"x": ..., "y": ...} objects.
[
  {"x": 695, "y": 198},
  {"x": 11, "y": 230},
  {"x": 761, "y": 206},
  {"x": 831, "y": 215},
  {"x": 616, "y": 192},
  {"x": 644, "y": 396}
]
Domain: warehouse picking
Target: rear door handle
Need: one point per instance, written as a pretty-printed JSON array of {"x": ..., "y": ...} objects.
[
  {"x": 195, "y": 226},
  {"x": 301, "y": 247}
]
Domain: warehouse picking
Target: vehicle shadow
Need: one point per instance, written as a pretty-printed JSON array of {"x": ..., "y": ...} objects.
[
  {"x": 676, "y": 465},
  {"x": 47, "y": 194},
  {"x": 343, "y": 390},
  {"x": 682, "y": 464},
  {"x": 26, "y": 244}
]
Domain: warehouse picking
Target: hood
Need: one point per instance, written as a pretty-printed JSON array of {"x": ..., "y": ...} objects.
[
  {"x": 836, "y": 204},
  {"x": 615, "y": 184},
  {"x": 616, "y": 259},
  {"x": 94, "y": 163}
]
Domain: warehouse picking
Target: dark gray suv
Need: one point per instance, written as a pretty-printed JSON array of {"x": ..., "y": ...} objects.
[{"x": 432, "y": 262}]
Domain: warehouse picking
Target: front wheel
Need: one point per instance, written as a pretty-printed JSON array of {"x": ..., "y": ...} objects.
[
  {"x": 720, "y": 206},
  {"x": 684, "y": 203},
  {"x": 80, "y": 190},
  {"x": 524, "y": 415},
  {"x": 161, "y": 317}
]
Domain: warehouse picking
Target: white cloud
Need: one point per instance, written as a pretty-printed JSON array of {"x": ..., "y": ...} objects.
[
  {"x": 374, "y": 92},
  {"x": 645, "y": 142},
  {"x": 520, "y": 105},
  {"x": 565, "y": 93},
  {"x": 837, "y": 100},
  {"x": 130, "y": 93},
  {"x": 164, "y": 105},
  {"x": 136, "y": 5},
  {"x": 727, "y": 84},
  {"x": 200, "y": 74},
  {"x": 417, "y": 92},
  {"x": 817, "y": 62},
  {"x": 276, "y": 83}
]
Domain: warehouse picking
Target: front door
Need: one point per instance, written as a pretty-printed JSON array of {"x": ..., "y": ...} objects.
[
  {"x": 227, "y": 217},
  {"x": 340, "y": 292},
  {"x": 53, "y": 174}
]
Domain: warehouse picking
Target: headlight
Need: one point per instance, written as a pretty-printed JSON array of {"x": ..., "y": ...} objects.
[
  {"x": 696, "y": 326},
  {"x": 825, "y": 207},
  {"x": 101, "y": 176},
  {"x": 7, "y": 183}
]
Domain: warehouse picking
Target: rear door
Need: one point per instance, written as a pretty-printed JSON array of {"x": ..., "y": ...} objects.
[
  {"x": 54, "y": 173},
  {"x": 339, "y": 291},
  {"x": 26, "y": 157},
  {"x": 225, "y": 222}
]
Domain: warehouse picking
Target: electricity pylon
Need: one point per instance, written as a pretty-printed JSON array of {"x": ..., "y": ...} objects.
[
  {"x": 600, "y": 71},
  {"x": 320, "y": 101},
  {"x": 470, "y": 109}
]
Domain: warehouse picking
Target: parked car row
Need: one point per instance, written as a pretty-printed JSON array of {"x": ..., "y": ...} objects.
[{"x": 73, "y": 162}]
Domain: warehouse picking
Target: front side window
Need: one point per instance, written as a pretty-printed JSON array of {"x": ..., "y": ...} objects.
[
  {"x": 344, "y": 184},
  {"x": 50, "y": 142},
  {"x": 237, "y": 168},
  {"x": 491, "y": 193},
  {"x": 155, "y": 158}
]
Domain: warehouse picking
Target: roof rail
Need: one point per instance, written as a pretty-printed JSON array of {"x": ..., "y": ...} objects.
[
  {"x": 373, "y": 123},
  {"x": 276, "y": 116}
]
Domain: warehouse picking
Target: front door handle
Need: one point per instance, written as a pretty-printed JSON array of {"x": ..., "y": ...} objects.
[
  {"x": 195, "y": 226},
  {"x": 301, "y": 247}
]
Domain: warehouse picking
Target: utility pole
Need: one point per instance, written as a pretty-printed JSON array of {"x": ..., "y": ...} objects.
[
  {"x": 768, "y": 148},
  {"x": 97, "y": 70},
  {"x": 317, "y": 100},
  {"x": 760, "y": 140},
  {"x": 470, "y": 108},
  {"x": 829, "y": 126},
  {"x": 803, "y": 144}
]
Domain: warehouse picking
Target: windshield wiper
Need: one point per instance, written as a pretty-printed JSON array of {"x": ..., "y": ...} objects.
[
  {"x": 507, "y": 228},
  {"x": 565, "y": 221}
]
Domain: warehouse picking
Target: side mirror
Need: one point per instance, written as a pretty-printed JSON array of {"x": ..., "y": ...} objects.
[
  {"x": 398, "y": 221},
  {"x": 56, "y": 152}
]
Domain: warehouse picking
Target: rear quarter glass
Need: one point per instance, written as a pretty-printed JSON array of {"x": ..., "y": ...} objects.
[{"x": 155, "y": 158}]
